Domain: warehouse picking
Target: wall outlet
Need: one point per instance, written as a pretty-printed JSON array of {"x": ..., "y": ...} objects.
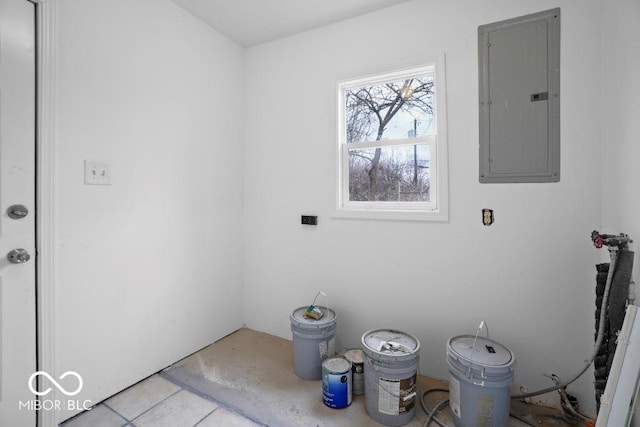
[
  {"x": 309, "y": 220},
  {"x": 97, "y": 173}
]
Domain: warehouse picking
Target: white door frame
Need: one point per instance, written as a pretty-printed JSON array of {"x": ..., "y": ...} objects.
[{"x": 45, "y": 194}]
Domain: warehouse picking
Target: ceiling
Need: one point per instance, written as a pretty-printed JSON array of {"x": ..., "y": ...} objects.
[{"x": 252, "y": 22}]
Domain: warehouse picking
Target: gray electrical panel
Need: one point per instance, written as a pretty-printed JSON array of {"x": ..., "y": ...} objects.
[{"x": 519, "y": 76}]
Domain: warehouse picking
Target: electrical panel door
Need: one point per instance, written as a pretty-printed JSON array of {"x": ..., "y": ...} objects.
[{"x": 519, "y": 70}]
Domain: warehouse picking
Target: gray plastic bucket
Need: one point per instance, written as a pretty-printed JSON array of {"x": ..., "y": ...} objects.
[
  {"x": 355, "y": 356},
  {"x": 313, "y": 341},
  {"x": 480, "y": 379},
  {"x": 390, "y": 375}
]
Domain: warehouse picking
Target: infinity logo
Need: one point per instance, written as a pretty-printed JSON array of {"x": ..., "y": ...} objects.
[{"x": 58, "y": 386}]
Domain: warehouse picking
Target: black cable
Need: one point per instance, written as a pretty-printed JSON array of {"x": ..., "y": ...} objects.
[
  {"x": 522, "y": 420},
  {"x": 437, "y": 409},
  {"x": 426, "y": 410}
]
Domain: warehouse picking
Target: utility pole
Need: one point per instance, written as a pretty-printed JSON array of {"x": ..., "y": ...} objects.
[{"x": 415, "y": 155}]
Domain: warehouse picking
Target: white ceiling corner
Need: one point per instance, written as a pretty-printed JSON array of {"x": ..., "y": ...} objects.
[{"x": 252, "y": 22}]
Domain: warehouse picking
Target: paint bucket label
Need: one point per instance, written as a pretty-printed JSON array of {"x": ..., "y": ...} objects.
[
  {"x": 336, "y": 382},
  {"x": 326, "y": 348},
  {"x": 396, "y": 397},
  {"x": 356, "y": 358}
]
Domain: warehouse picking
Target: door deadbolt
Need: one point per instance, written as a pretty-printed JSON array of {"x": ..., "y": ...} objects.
[
  {"x": 18, "y": 256},
  {"x": 17, "y": 211}
]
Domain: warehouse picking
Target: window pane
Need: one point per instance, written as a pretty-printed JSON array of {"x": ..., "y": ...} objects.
[
  {"x": 390, "y": 174},
  {"x": 391, "y": 110}
]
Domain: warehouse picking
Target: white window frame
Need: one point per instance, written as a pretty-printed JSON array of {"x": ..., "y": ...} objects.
[{"x": 437, "y": 209}]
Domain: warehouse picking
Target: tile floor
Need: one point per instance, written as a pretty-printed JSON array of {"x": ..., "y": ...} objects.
[
  {"x": 158, "y": 402},
  {"x": 246, "y": 379}
]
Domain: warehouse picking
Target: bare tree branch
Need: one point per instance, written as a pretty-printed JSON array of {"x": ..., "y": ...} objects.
[{"x": 370, "y": 109}]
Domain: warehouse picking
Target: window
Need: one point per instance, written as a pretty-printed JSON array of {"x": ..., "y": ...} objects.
[{"x": 392, "y": 145}]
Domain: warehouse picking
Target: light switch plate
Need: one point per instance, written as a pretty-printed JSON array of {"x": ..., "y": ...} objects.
[{"x": 97, "y": 173}]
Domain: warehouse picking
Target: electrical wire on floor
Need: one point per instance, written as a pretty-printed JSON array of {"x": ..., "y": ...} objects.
[
  {"x": 522, "y": 420},
  {"x": 431, "y": 414},
  {"x": 614, "y": 243},
  {"x": 567, "y": 406},
  {"x": 600, "y": 337}
]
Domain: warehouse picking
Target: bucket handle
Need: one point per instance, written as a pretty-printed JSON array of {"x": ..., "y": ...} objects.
[
  {"x": 325, "y": 298},
  {"x": 484, "y": 326}
]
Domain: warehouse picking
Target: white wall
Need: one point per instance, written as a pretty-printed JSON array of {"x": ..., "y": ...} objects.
[
  {"x": 620, "y": 112},
  {"x": 530, "y": 276},
  {"x": 148, "y": 269}
]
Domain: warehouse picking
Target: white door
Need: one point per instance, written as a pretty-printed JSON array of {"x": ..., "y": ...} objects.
[{"x": 17, "y": 182}]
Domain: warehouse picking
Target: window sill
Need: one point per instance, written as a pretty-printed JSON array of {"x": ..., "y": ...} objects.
[{"x": 424, "y": 216}]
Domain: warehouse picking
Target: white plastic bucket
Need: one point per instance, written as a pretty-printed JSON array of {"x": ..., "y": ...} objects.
[
  {"x": 480, "y": 379},
  {"x": 356, "y": 358},
  {"x": 313, "y": 341},
  {"x": 390, "y": 375},
  {"x": 336, "y": 382}
]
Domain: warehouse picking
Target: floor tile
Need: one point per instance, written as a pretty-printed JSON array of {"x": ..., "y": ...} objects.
[
  {"x": 224, "y": 418},
  {"x": 136, "y": 399},
  {"x": 183, "y": 409},
  {"x": 98, "y": 416}
]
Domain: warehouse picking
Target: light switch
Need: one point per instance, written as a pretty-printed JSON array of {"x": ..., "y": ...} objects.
[{"x": 97, "y": 173}]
